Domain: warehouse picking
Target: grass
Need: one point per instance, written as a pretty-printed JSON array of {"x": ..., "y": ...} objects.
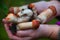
[{"x": 4, "y": 5}]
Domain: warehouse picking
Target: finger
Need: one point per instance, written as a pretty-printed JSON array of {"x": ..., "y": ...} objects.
[
  {"x": 7, "y": 30},
  {"x": 20, "y": 38},
  {"x": 15, "y": 38},
  {"x": 4, "y": 21},
  {"x": 23, "y": 38},
  {"x": 10, "y": 35},
  {"x": 24, "y": 33},
  {"x": 27, "y": 38}
]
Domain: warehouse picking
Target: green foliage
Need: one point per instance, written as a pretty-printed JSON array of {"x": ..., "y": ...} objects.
[{"x": 53, "y": 21}]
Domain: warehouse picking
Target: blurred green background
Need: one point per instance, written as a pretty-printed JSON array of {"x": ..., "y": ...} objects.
[{"x": 4, "y": 5}]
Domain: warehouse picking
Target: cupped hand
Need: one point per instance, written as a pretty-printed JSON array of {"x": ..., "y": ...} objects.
[
  {"x": 10, "y": 35},
  {"x": 30, "y": 34}
]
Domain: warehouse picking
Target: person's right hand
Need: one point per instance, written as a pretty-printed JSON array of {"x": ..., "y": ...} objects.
[
  {"x": 10, "y": 35},
  {"x": 29, "y": 34}
]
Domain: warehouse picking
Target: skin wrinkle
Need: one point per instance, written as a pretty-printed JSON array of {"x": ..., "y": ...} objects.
[
  {"x": 48, "y": 30},
  {"x": 44, "y": 30},
  {"x": 55, "y": 33}
]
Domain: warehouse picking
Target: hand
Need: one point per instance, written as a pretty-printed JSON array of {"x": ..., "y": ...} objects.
[
  {"x": 30, "y": 34},
  {"x": 14, "y": 37},
  {"x": 22, "y": 34}
]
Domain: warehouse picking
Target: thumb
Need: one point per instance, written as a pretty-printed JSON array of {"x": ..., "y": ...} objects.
[
  {"x": 4, "y": 21},
  {"x": 7, "y": 30}
]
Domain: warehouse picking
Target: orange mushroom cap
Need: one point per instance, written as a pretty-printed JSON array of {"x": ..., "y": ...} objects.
[{"x": 35, "y": 24}]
